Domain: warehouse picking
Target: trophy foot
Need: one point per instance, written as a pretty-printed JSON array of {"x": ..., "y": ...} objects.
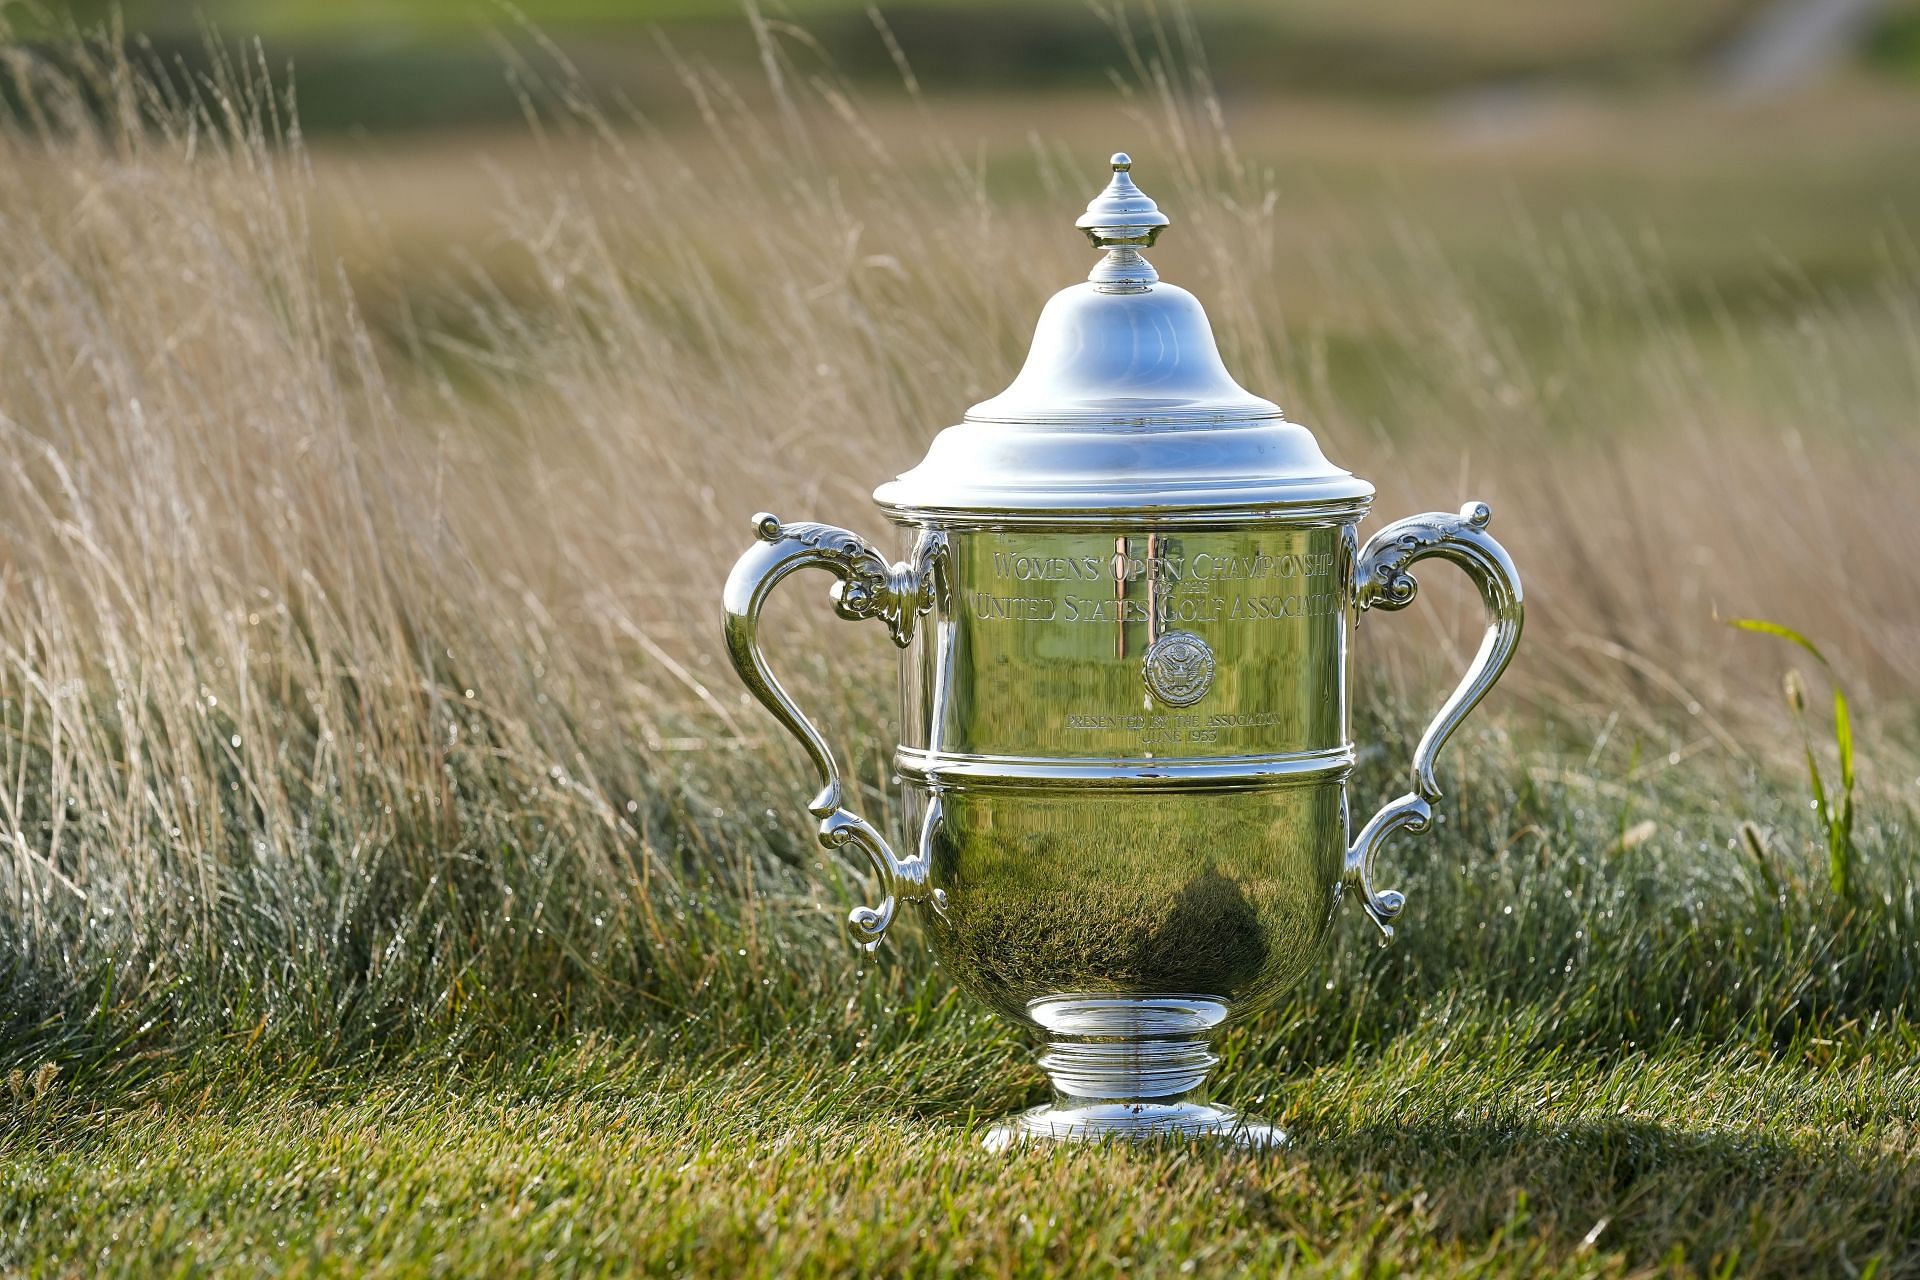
[
  {"x": 1134, "y": 1122},
  {"x": 1130, "y": 1067}
]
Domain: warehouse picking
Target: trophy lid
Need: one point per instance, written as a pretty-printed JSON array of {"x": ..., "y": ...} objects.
[{"x": 1123, "y": 406}]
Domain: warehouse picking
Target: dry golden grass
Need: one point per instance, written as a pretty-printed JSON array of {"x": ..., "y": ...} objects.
[
  {"x": 232, "y": 500},
  {"x": 1672, "y": 341}
]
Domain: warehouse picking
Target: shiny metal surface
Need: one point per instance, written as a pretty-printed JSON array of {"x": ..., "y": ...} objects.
[
  {"x": 1123, "y": 220},
  {"x": 1126, "y": 613},
  {"x": 1123, "y": 407},
  {"x": 1384, "y": 583},
  {"x": 869, "y": 587},
  {"x": 1038, "y": 644}
]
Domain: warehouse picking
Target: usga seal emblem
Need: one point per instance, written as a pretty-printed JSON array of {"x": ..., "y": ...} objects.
[{"x": 1178, "y": 668}]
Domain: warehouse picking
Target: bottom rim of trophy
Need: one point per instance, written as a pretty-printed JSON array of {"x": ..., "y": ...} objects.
[{"x": 1134, "y": 1122}]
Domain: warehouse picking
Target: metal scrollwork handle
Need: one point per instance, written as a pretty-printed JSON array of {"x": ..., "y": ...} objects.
[
  {"x": 1384, "y": 583},
  {"x": 869, "y": 587}
]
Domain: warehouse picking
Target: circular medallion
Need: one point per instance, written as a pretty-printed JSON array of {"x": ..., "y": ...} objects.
[{"x": 1178, "y": 668}]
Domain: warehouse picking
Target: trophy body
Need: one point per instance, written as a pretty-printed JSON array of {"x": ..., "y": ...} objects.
[{"x": 1125, "y": 611}]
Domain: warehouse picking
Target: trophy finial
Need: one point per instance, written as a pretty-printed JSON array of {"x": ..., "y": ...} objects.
[{"x": 1123, "y": 220}]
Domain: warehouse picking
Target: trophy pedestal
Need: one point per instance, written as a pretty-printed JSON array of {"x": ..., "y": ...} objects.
[
  {"x": 1132, "y": 1068},
  {"x": 1133, "y": 1122}
]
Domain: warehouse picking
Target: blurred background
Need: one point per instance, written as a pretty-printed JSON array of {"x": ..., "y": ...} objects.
[
  {"x": 1641, "y": 273},
  {"x": 1630, "y": 200},
  {"x": 1744, "y": 134},
  {"x": 1490, "y": 66}
]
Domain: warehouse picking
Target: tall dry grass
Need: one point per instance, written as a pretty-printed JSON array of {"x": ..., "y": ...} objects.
[{"x": 357, "y": 677}]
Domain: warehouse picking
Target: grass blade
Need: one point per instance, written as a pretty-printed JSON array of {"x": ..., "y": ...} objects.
[
  {"x": 1764, "y": 627},
  {"x": 1843, "y": 738}
]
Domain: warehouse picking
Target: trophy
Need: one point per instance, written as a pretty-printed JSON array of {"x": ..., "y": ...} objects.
[{"x": 1124, "y": 613}]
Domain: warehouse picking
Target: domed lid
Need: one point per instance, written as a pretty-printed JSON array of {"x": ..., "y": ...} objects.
[{"x": 1123, "y": 406}]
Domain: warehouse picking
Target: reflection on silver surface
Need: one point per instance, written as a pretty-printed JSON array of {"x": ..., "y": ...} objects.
[
  {"x": 1384, "y": 583},
  {"x": 1126, "y": 615},
  {"x": 869, "y": 587}
]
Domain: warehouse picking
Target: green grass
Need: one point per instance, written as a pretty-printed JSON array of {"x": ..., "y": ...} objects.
[
  {"x": 1455, "y": 1148},
  {"x": 1587, "y": 1055}
]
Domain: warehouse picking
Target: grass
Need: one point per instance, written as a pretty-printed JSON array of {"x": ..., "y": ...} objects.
[
  {"x": 1623, "y": 30},
  {"x": 418, "y": 65},
  {"x": 1455, "y": 1151},
  {"x": 394, "y": 880}
]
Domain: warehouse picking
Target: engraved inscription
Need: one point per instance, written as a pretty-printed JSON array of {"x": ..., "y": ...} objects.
[
  {"x": 1185, "y": 589},
  {"x": 1204, "y": 566},
  {"x": 1171, "y": 728},
  {"x": 1157, "y": 642}
]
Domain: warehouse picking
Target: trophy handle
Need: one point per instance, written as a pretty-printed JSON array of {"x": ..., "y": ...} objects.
[
  {"x": 869, "y": 587},
  {"x": 1384, "y": 583}
]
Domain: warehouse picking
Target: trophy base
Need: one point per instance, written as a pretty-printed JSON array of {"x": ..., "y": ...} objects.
[
  {"x": 1134, "y": 1122},
  {"x": 1133, "y": 1068}
]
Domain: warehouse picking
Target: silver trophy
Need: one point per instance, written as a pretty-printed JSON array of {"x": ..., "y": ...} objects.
[{"x": 1124, "y": 615}]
